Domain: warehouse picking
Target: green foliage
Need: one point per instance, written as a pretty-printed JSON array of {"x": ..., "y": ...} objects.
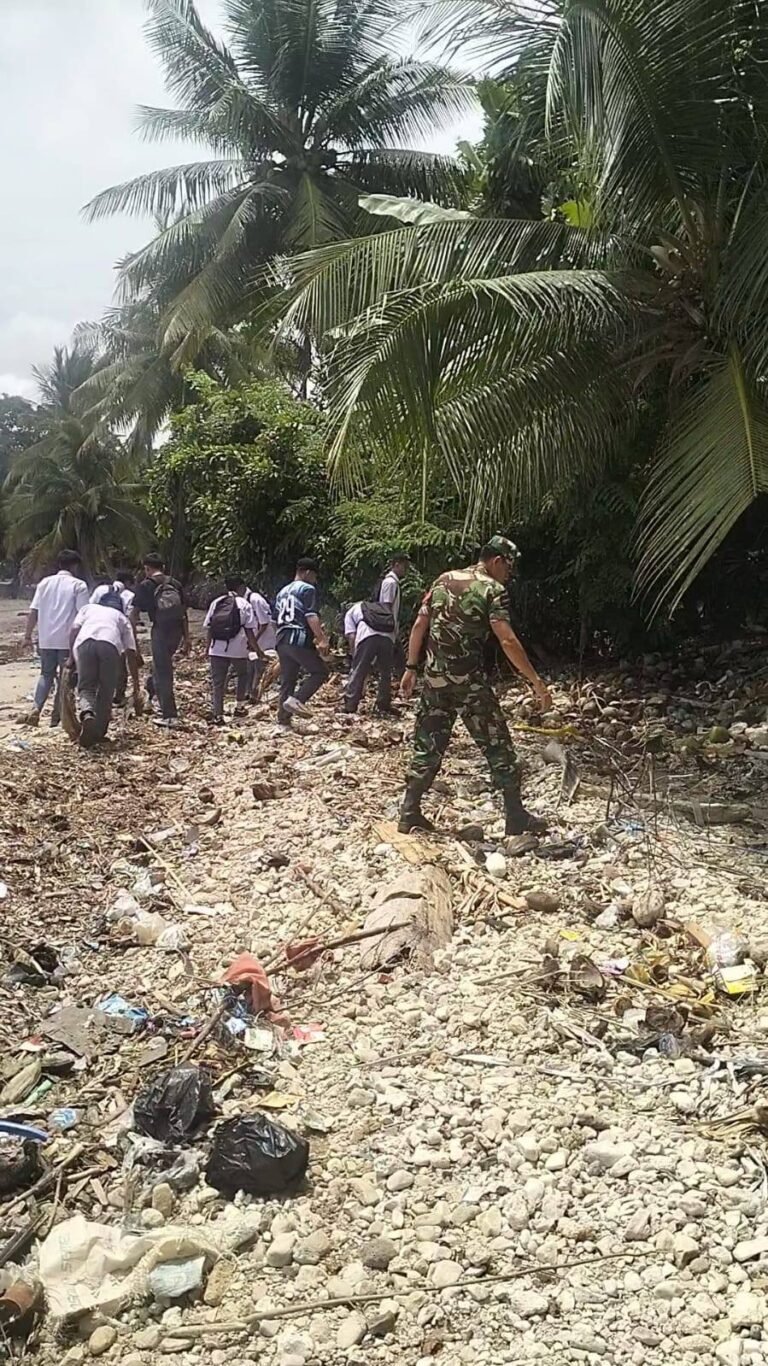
[
  {"x": 372, "y": 527},
  {"x": 300, "y": 112},
  {"x": 21, "y": 425},
  {"x": 72, "y": 487},
  {"x": 244, "y": 476},
  {"x": 514, "y": 354}
]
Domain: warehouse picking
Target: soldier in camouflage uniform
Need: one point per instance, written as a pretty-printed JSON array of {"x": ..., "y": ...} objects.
[{"x": 456, "y": 618}]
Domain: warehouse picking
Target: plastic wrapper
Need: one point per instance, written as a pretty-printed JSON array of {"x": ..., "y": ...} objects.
[
  {"x": 175, "y": 1105},
  {"x": 255, "y": 1155},
  {"x": 726, "y": 949}
]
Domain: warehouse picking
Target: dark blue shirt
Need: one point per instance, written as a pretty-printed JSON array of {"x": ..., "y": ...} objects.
[{"x": 294, "y": 603}]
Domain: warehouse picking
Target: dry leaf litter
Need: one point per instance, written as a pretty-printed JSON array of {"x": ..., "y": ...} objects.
[{"x": 527, "y": 1078}]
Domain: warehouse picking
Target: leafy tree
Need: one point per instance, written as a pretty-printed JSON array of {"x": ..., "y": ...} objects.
[
  {"x": 517, "y": 355},
  {"x": 72, "y": 487},
  {"x": 21, "y": 426},
  {"x": 242, "y": 482},
  {"x": 301, "y": 111}
]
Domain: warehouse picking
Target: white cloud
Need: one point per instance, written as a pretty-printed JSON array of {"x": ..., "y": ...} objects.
[
  {"x": 18, "y": 384},
  {"x": 71, "y": 76}
]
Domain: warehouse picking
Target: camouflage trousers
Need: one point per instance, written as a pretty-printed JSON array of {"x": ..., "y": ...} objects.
[{"x": 479, "y": 709}]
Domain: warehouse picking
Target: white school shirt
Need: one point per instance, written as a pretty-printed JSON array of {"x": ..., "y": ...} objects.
[
  {"x": 57, "y": 601},
  {"x": 354, "y": 625},
  {"x": 237, "y": 648},
  {"x": 390, "y": 593},
  {"x": 263, "y": 617},
  {"x": 103, "y": 623},
  {"x": 125, "y": 594}
]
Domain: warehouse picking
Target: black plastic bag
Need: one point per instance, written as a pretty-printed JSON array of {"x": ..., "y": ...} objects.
[
  {"x": 175, "y": 1105},
  {"x": 255, "y": 1155}
]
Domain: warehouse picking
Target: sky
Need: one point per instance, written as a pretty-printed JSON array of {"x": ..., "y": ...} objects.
[{"x": 71, "y": 75}]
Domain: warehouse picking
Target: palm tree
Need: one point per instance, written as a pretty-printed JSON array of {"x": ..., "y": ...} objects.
[
  {"x": 512, "y": 355},
  {"x": 74, "y": 487},
  {"x": 301, "y": 112}
]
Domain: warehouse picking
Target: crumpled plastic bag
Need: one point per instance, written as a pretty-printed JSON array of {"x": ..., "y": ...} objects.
[
  {"x": 176, "y": 1104},
  {"x": 255, "y": 1155},
  {"x": 85, "y": 1266}
]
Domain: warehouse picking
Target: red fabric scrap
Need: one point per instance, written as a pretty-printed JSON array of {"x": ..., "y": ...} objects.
[
  {"x": 302, "y": 953},
  {"x": 248, "y": 971}
]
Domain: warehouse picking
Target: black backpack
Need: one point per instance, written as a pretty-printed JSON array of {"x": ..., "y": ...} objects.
[
  {"x": 225, "y": 621},
  {"x": 169, "y": 604},
  {"x": 378, "y": 616}
]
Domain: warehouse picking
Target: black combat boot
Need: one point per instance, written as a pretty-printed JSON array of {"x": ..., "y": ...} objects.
[
  {"x": 519, "y": 821},
  {"x": 411, "y": 815}
]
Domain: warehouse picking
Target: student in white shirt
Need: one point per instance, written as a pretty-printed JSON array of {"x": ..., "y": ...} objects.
[
  {"x": 101, "y": 636},
  {"x": 57, "y": 601},
  {"x": 266, "y": 640},
  {"x": 389, "y": 591},
  {"x": 370, "y": 644},
  {"x": 229, "y": 625},
  {"x": 123, "y": 584}
]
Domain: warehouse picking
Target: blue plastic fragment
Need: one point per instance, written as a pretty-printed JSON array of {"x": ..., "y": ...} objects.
[{"x": 23, "y": 1131}]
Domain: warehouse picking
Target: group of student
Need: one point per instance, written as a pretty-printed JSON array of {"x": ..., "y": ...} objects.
[{"x": 93, "y": 635}]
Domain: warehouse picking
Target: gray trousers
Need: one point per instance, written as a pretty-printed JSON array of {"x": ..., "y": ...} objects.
[
  {"x": 374, "y": 650},
  {"x": 294, "y": 660},
  {"x": 256, "y": 668},
  {"x": 220, "y": 667},
  {"x": 165, "y": 642},
  {"x": 98, "y": 670}
]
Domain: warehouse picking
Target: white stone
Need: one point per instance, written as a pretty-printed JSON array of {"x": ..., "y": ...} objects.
[
  {"x": 351, "y": 1331},
  {"x": 280, "y": 1250},
  {"x": 400, "y": 1180},
  {"x": 748, "y": 1309},
  {"x": 102, "y": 1339},
  {"x": 729, "y": 1351},
  {"x": 163, "y": 1199},
  {"x": 445, "y": 1273}
]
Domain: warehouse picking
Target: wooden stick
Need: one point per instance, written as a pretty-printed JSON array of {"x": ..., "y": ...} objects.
[
  {"x": 196, "y": 1330},
  {"x": 169, "y": 870},
  {"x": 355, "y": 937}
]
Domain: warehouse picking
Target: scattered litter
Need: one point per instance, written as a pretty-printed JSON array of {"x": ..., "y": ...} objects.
[
  {"x": 726, "y": 949},
  {"x": 116, "y": 1011},
  {"x": 19, "y": 1307},
  {"x": 247, "y": 971},
  {"x": 311, "y": 1033},
  {"x": 86, "y": 1266},
  {"x": 70, "y": 1027},
  {"x": 738, "y": 980},
  {"x": 23, "y": 1131},
  {"x": 170, "y": 1280},
  {"x": 64, "y": 1119},
  {"x": 256, "y": 1155},
  {"x": 259, "y": 1039},
  {"x": 34, "y": 967},
  {"x": 176, "y": 1104}
]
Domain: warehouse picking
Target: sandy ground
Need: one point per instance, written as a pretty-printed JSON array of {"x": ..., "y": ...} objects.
[
  {"x": 17, "y": 677},
  {"x": 18, "y": 674}
]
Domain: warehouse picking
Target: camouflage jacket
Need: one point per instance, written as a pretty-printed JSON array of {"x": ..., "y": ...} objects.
[{"x": 461, "y": 606}]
